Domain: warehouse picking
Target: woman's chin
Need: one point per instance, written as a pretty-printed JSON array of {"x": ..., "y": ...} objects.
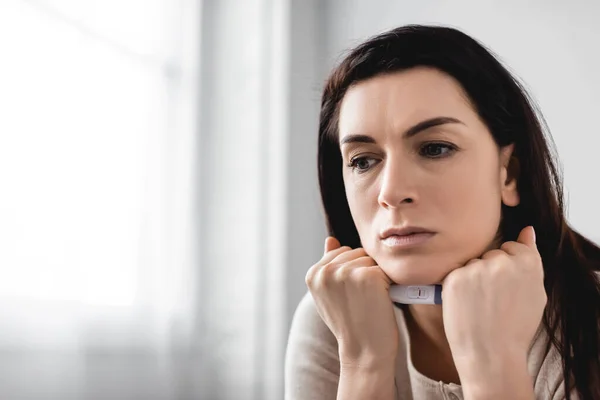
[
  {"x": 403, "y": 272},
  {"x": 414, "y": 280}
]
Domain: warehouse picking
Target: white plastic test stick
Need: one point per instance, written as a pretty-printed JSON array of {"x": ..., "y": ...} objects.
[{"x": 417, "y": 294}]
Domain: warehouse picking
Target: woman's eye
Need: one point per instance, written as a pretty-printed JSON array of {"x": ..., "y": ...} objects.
[
  {"x": 362, "y": 164},
  {"x": 429, "y": 150},
  {"x": 437, "y": 150}
]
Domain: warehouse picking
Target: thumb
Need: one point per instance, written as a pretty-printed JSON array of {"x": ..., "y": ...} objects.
[
  {"x": 331, "y": 243},
  {"x": 527, "y": 237}
]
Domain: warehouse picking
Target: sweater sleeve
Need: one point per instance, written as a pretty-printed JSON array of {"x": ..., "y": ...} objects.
[{"x": 312, "y": 365}]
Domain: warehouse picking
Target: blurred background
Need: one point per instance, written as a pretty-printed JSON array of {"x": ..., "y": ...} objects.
[{"x": 159, "y": 204}]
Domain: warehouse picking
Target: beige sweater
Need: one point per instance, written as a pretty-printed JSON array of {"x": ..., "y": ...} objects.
[{"x": 312, "y": 364}]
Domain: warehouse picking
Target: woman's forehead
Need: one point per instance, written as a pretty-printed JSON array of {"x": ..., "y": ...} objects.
[{"x": 400, "y": 100}]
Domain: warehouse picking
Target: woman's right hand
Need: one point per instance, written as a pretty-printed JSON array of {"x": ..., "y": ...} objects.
[{"x": 351, "y": 293}]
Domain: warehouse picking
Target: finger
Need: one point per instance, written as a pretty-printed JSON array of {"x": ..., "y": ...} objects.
[
  {"x": 461, "y": 270},
  {"x": 494, "y": 253},
  {"x": 344, "y": 269},
  {"x": 525, "y": 254},
  {"x": 385, "y": 276},
  {"x": 514, "y": 248},
  {"x": 527, "y": 237},
  {"x": 331, "y": 243},
  {"x": 377, "y": 272},
  {"x": 472, "y": 261},
  {"x": 326, "y": 259},
  {"x": 331, "y": 255},
  {"x": 364, "y": 261},
  {"x": 349, "y": 255}
]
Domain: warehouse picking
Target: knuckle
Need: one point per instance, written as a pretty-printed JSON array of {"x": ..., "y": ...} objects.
[
  {"x": 503, "y": 256},
  {"x": 308, "y": 279},
  {"x": 319, "y": 275},
  {"x": 487, "y": 273},
  {"x": 494, "y": 254},
  {"x": 328, "y": 269},
  {"x": 333, "y": 273},
  {"x": 452, "y": 281},
  {"x": 495, "y": 273},
  {"x": 310, "y": 275},
  {"x": 507, "y": 245},
  {"x": 327, "y": 274},
  {"x": 343, "y": 272},
  {"x": 362, "y": 274}
]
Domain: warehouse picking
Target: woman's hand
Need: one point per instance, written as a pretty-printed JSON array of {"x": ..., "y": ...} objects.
[
  {"x": 492, "y": 308},
  {"x": 352, "y": 297}
]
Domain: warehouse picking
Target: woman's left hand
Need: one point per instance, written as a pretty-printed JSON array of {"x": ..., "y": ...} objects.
[{"x": 492, "y": 308}]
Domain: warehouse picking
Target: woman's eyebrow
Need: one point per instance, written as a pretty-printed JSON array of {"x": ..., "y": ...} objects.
[{"x": 410, "y": 132}]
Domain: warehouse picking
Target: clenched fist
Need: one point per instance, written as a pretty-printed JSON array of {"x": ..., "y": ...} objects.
[{"x": 352, "y": 297}]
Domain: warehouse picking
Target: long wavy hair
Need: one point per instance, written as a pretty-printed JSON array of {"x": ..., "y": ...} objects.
[{"x": 572, "y": 314}]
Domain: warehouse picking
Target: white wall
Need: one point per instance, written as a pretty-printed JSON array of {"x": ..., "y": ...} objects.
[
  {"x": 553, "y": 46},
  {"x": 306, "y": 230}
]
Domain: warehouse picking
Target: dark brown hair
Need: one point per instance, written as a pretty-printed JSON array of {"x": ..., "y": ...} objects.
[{"x": 570, "y": 260}]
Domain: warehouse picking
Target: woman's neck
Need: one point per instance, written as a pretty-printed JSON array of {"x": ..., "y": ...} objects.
[{"x": 430, "y": 350}]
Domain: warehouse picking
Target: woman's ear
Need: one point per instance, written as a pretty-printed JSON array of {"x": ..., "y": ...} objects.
[{"x": 509, "y": 173}]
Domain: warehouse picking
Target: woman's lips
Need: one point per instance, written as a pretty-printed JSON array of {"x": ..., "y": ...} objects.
[{"x": 414, "y": 239}]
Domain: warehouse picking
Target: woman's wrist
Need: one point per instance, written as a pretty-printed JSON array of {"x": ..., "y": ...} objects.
[
  {"x": 500, "y": 377},
  {"x": 368, "y": 361},
  {"x": 367, "y": 380}
]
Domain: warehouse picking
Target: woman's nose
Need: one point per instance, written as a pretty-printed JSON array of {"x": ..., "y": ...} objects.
[{"x": 397, "y": 186}]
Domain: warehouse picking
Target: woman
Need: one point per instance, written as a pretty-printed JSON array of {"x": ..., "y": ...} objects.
[{"x": 434, "y": 169}]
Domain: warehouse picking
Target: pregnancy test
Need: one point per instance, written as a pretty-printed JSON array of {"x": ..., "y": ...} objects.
[{"x": 418, "y": 294}]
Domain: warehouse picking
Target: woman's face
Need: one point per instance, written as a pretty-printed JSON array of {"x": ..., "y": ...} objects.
[{"x": 417, "y": 154}]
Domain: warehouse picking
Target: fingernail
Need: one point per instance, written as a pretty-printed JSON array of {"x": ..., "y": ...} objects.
[{"x": 533, "y": 230}]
